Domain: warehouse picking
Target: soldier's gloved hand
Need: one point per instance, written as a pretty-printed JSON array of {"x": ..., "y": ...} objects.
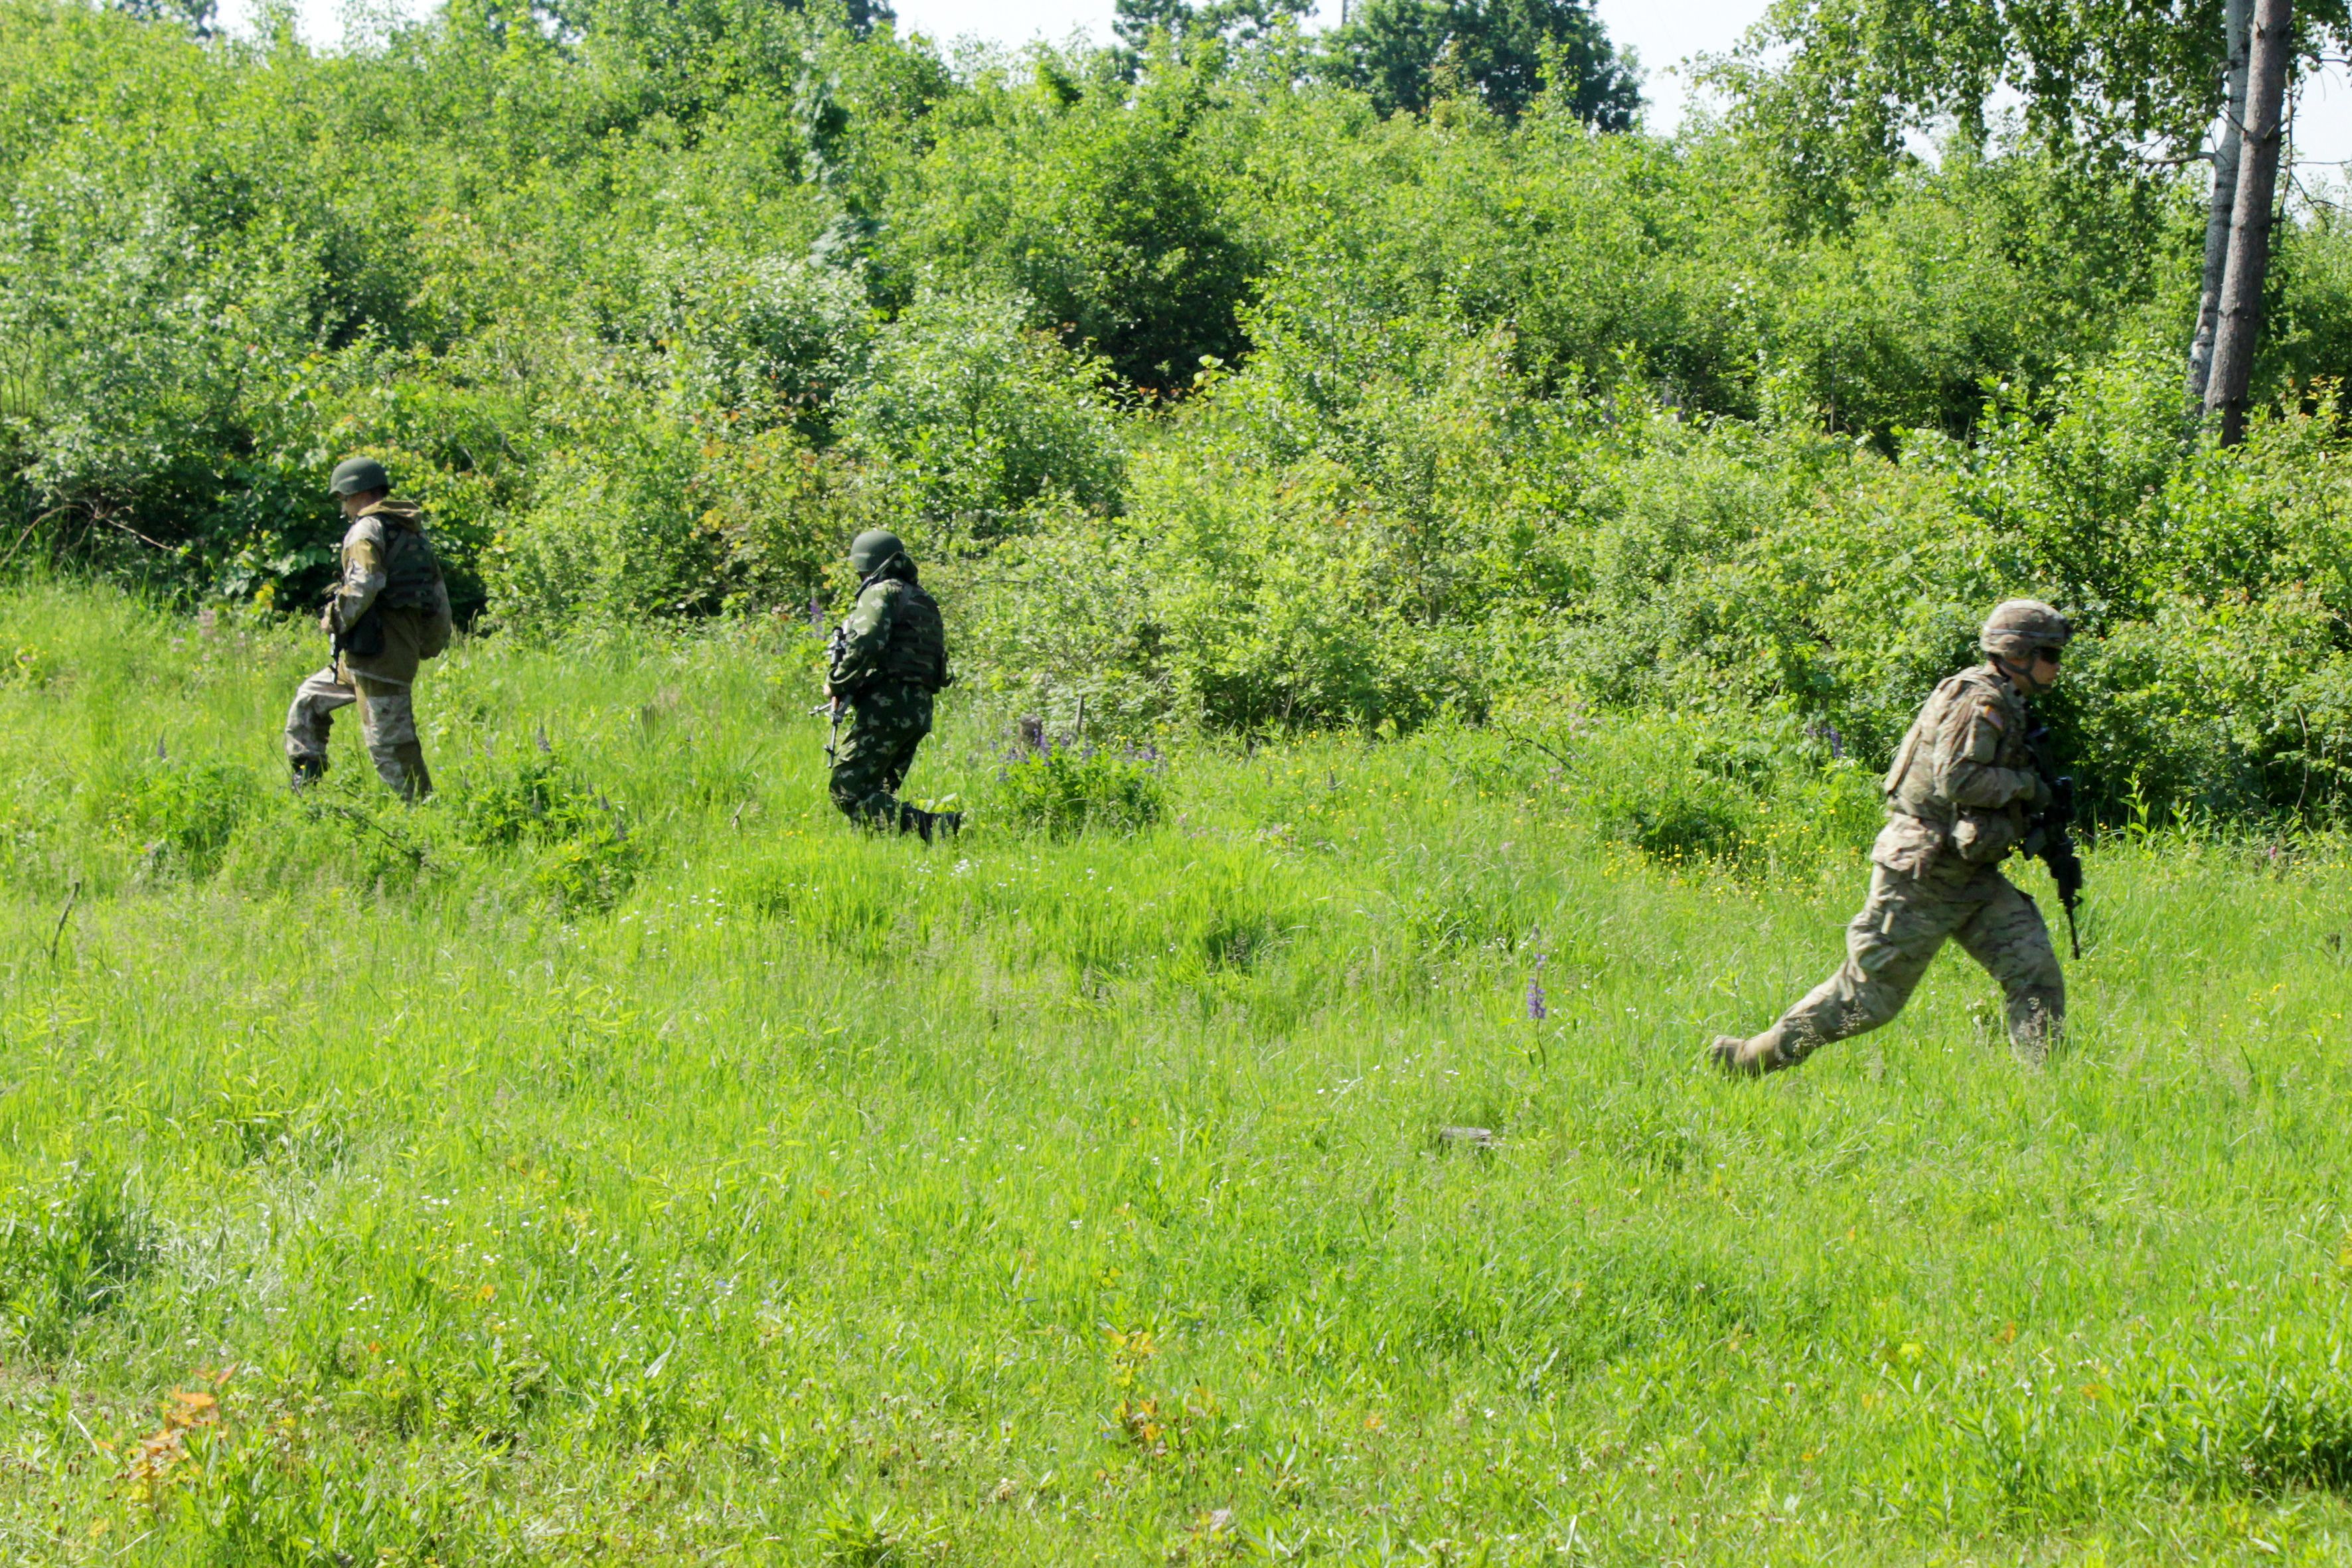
[
  {"x": 2038, "y": 795},
  {"x": 327, "y": 621}
]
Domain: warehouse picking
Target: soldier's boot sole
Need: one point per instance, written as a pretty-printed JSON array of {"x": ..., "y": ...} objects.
[{"x": 1737, "y": 1058}]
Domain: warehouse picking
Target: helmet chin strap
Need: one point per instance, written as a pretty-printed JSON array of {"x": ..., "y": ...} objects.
[{"x": 2020, "y": 674}]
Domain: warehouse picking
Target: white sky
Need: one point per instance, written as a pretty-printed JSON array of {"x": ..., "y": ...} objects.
[{"x": 1663, "y": 33}]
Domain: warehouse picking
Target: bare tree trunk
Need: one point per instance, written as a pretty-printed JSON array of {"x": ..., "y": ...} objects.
[
  {"x": 2250, "y": 222},
  {"x": 2236, "y": 16}
]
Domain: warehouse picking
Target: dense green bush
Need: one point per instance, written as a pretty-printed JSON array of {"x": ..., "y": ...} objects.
[
  {"x": 1063, "y": 790},
  {"x": 68, "y": 1249},
  {"x": 585, "y": 857},
  {"x": 970, "y": 421},
  {"x": 1211, "y": 390}
]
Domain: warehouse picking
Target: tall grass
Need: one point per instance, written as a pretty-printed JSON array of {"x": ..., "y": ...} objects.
[{"x": 618, "y": 1159}]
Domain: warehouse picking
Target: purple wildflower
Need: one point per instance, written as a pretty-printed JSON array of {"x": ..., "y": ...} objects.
[
  {"x": 1536, "y": 990},
  {"x": 816, "y": 612}
]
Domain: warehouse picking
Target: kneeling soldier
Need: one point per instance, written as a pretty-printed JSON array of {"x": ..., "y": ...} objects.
[
  {"x": 1962, "y": 794},
  {"x": 889, "y": 659},
  {"x": 389, "y": 612}
]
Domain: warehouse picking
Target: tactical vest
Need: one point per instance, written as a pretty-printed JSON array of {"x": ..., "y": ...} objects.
[
  {"x": 412, "y": 572},
  {"x": 412, "y": 582},
  {"x": 1981, "y": 836},
  {"x": 1909, "y": 786},
  {"x": 917, "y": 650}
]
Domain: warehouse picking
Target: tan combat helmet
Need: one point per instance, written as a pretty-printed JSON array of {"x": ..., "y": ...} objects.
[{"x": 2018, "y": 626}]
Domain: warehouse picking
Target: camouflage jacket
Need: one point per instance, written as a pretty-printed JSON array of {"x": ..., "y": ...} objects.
[
  {"x": 1963, "y": 784},
  {"x": 894, "y": 635},
  {"x": 389, "y": 569}
]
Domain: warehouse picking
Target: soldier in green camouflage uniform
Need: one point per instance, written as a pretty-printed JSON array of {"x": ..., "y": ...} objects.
[
  {"x": 1962, "y": 794},
  {"x": 389, "y": 612},
  {"x": 889, "y": 659}
]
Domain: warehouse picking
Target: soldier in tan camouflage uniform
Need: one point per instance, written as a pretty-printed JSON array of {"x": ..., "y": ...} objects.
[
  {"x": 1962, "y": 794},
  {"x": 389, "y": 612}
]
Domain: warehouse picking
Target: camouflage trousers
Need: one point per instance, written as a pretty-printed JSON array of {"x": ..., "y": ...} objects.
[
  {"x": 880, "y": 730},
  {"x": 1900, "y": 929},
  {"x": 387, "y": 726}
]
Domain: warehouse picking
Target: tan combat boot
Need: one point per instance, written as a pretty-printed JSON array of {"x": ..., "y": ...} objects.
[{"x": 1749, "y": 1057}]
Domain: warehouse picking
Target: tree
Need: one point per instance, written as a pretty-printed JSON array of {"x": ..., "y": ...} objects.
[
  {"x": 2130, "y": 89},
  {"x": 200, "y": 17},
  {"x": 1400, "y": 51},
  {"x": 1241, "y": 21},
  {"x": 1831, "y": 89},
  {"x": 2221, "y": 208},
  {"x": 2240, "y": 311}
]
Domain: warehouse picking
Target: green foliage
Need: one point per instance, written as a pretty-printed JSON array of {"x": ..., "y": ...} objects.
[
  {"x": 849, "y": 1536},
  {"x": 1405, "y": 54},
  {"x": 1828, "y": 93},
  {"x": 182, "y": 815},
  {"x": 1064, "y": 790},
  {"x": 585, "y": 857},
  {"x": 1117, "y": 210},
  {"x": 1212, "y": 391},
  {"x": 970, "y": 422},
  {"x": 68, "y": 1249}
]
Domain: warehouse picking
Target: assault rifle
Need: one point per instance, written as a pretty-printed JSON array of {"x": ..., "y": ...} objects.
[
  {"x": 364, "y": 637},
  {"x": 2052, "y": 839},
  {"x": 832, "y": 702}
]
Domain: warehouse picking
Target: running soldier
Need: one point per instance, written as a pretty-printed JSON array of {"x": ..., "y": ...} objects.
[{"x": 1964, "y": 791}]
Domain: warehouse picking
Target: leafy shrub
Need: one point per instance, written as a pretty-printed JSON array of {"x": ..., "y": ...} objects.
[
  {"x": 68, "y": 1250},
  {"x": 1680, "y": 819},
  {"x": 973, "y": 420},
  {"x": 768, "y": 337},
  {"x": 586, "y": 858},
  {"x": 183, "y": 814},
  {"x": 611, "y": 534},
  {"x": 1112, "y": 205},
  {"x": 1063, "y": 791}
]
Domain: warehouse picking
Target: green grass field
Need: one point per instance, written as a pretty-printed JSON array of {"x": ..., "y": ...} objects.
[{"x": 618, "y": 1162}]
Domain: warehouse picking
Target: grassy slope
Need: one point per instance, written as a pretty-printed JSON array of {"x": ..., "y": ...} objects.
[{"x": 1022, "y": 1202}]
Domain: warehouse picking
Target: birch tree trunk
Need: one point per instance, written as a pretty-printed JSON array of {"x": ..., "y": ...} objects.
[
  {"x": 2236, "y": 16},
  {"x": 2250, "y": 224}
]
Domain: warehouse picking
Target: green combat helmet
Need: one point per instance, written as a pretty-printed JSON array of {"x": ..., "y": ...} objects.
[
  {"x": 2018, "y": 626},
  {"x": 872, "y": 550},
  {"x": 357, "y": 476}
]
